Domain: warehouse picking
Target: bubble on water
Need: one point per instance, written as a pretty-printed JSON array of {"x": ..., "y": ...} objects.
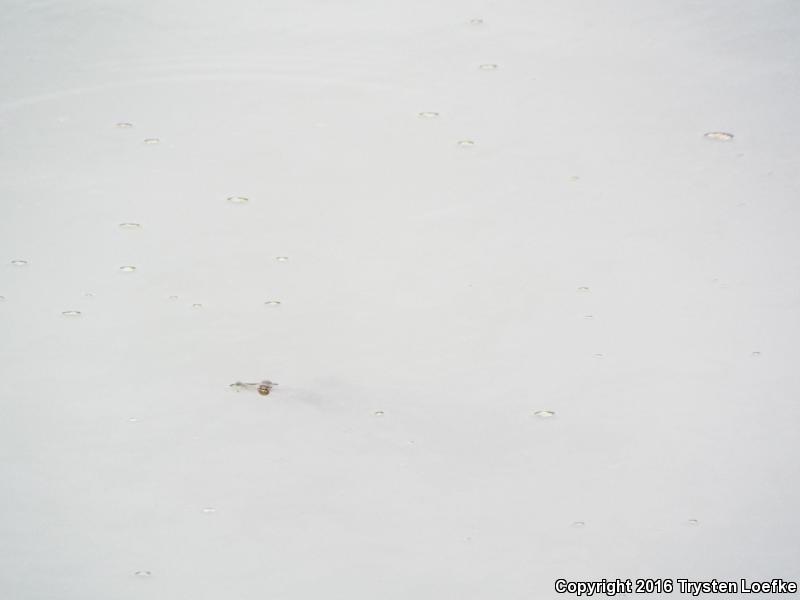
[{"x": 720, "y": 136}]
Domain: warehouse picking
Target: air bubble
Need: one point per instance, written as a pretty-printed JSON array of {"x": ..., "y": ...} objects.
[
  {"x": 71, "y": 313},
  {"x": 544, "y": 414},
  {"x": 19, "y": 263},
  {"x": 272, "y": 302},
  {"x": 720, "y": 136},
  {"x": 238, "y": 199},
  {"x": 466, "y": 143},
  {"x": 428, "y": 115},
  {"x": 130, "y": 225},
  {"x": 127, "y": 268},
  {"x": 488, "y": 67},
  {"x": 152, "y": 141}
]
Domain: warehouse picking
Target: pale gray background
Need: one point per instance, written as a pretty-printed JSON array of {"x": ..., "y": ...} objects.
[{"x": 434, "y": 282}]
